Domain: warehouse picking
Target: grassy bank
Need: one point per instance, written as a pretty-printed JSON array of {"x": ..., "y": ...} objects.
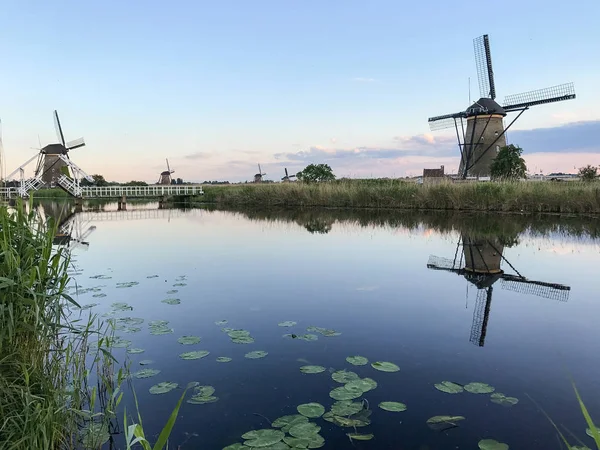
[{"x": 534, "y": 197}]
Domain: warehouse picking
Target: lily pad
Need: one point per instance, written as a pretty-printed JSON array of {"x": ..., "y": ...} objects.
[
  {"x": 163, "y": 388},
  {"x": 385, "y": 366},
  {"x": 235, "y": 334},
  {"x": 236, "y": 446},
  {"x": 287, "y": 421},
  {"x": 311, "y": 410},
  {"x": 344, "y": 376},
  {"x": 256, "y": 354},
  {"x": 152, "y": 276},
  {"x": 361, "y": 385},
  {"x": 100, "y": 277},
  {"x": 243, "y": 340},
  {"x": 341, "y": 393},
  {"x": 393, "y": 406},
  {"x": 449, "y": 387},
  {"x": 194, "y": 355},
  {"x": 171, "y": 301},
  {"x": 132, "y": 329},
  {"x": 99, "y": 295},
  {"x": 304, "y": 430},
  {"x": 189, "y": 340},
  {"x": 357, "y": 360},
  {"x": 146, "y": 373},
  {"x": 223, "y": 359},
  {"x": 145, "y": 362},
  {"x": 89, "y": 306},
  {"x": 200, "y": 400},
  {"x": 324, "y": 331},
  {"x": 95, "y": 435},
  {"x": 158, "y": 323},
  {"x": 287, "y": 323},
  {"x": 179, "y": 284},
  {"x": 312, "y": 369},
  {"x": 360, "y": 437},
  {"x": 346, "y": 408},
  {"x": 262, "y": 438},
  {"x": 121, "y": 306},
  {"x": 159, "y": 327},
  {"x": 135, "y": 351},
  {"x": 221, "y": 322},
  {"x": 128, "y": 284},
  {"x": 440, "y": 423},
  {"x": 303, "y": 337},
  {"x": 501, "y": 399},
  {"x": 491, "y": 444},
  {"x": 355, "y": 421},
  {"x": 130, "y": 320},
  {"x": 314, "y": 441},
  {"x": 479, "y": 388},
  {"x": 118, "y": 342},
  {"x": 204, "y": 391}
]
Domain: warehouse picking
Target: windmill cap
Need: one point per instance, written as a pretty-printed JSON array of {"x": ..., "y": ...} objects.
[
  {"x": 483, "y": 107},
  {"x": 54, "y": 149}
]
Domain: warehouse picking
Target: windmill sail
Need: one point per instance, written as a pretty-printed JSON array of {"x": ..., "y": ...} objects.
[
  {"x": 483, "y": 61},
  {"x": 539, "y": 97},
  {"x": 59, "y": 131}
]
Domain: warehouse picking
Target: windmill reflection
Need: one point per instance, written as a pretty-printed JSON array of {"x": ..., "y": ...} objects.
[
  {"x": 72, "y": 230},
  {"x": 480, "y": 263}
]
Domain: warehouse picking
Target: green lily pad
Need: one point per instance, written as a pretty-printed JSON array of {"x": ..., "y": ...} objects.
[
  {"x": 132, "y": 329},
  {"x": 311, "y": 410},
  {"x": 491, "y": 444},
  {"x": 160, "y": 327},
  {"x": 393, "y": 406},
  {"x": 501, "y": 399},
  {"x": 324, "y": 331},
  {"x": 479, "y": 388},
  {"x": 278, "y": 446},
  {"x": 304, "y": 430},
  {"x": 262, "y": 438},
  {"x": 341, "y": 393},
  {"x": 118, "y": 342},
  {"x": 145, "y": 362},
  {"x": 354, "y": 421},
  {"x": 172, "y": 291},
  {"x": 135, "y": 351},
  {"x": 346, "y": 408},
  {"x": 223, "y": 359},
  {"x": 236, "y": 334},
  {"x": 158, "y": 323},
  {"x": 361, "y": 385},
  {"x": 236, "y": 446},
  {"x": 130, "y": 320},
  {"x": 287, "y": 323},
  {"x": 171, "y": 301},
  {"x": 243, "y": 340},
  {"x": 121, "y": 306},
  {"x": 304, "y": 337},
  {"x": 204, "y": 391},
  {"x": 99, "y": 295},
  {"x": 360, "y": 437},
  {"x": 152, "y": 276},
  {"x": 200, "y": 400},
  {"x": 89, "y": 306},
  {"x": 179, "y": 284},
  {"x": 95, "y": 435},
  {"x": 256, "y": 354},
  {"x": 286, "y": 421},
  {"x": 344, "y": 376},
  {"x": 189, "y": 340},
  {"x": 146, "y": 373},
  {"x": 221, "y": 322},
  {"x": 312, "y": 369},
  {"x": 312, "y": 441},
  {"x": 101, "y": 277},
  {"x": 163, "y": 388},
  {"x": 357, "y": 360},
  {"x": 385, "y": 366},
  {"x": 194, "y": 355},
  {"x": 449, "y": 387},
  {"x": 439, "y": 423}
]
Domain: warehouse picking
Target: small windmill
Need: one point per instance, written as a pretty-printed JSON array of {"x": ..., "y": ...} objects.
[
  {"x": 482, "y": 261},
  {"x": 287, "y": 177},
  {"x": 165, "y": 176},
  {"x": 485, "y": 133},
  {"x": 259, "y": 176}
]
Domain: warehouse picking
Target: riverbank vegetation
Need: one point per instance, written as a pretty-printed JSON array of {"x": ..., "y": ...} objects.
[{"x": 520, "y": 196}]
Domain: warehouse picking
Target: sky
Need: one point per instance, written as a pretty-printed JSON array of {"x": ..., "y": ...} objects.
[{"x": 220, "y": 86}]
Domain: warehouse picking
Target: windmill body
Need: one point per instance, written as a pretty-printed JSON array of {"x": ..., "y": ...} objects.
[
  {"x": 287, "y": 178},
  {"x": 165, "y": 175},
  {"x": 258, "y": 178},
  {"x": 52, "y": 166},
  {"x": 480, "y": 129}
]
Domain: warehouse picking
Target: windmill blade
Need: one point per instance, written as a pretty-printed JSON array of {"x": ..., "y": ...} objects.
[
  {"x": 446, "y": 121},
  {"x": 440, "y": 263},
  {"x": 76, "y": 143},
  {"x": 286, "y": 173},
  {"x": 59, "y": 131},
  {"x": 483, "y": 61},
  {"x": 168, "y": 168},
  {"x": 522, "y": 285},
  {"x": 539, "y": 97},
  {"x": 259, "y": 170}
]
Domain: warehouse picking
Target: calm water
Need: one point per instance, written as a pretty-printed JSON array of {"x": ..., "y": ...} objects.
[{"x": 367, "y": 277}]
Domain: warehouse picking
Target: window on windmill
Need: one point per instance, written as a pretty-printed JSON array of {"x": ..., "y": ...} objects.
[
  {"x": 496, "y": 133},
  {"x": 497, "y": 148}
]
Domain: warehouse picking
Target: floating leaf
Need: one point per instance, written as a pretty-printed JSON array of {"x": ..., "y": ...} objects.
[
  {"x": 132, "y": 329},
  {"x": 221, "y": 322},
  {"x": 171, "y": 301},
  {"x": 152, "y": 276},
  {"x": 312, "y": 441},
  {"x": 443, "y": 422},
  {"x": 341, "y": 393},
  {"x": 355, "y": 421},
  {"x": 121, "y": 306},
  {"x": 501, "y": 399},
  {"x": 204, "y": 391},
  {"x": 277, "y": 446},
  {"x": 479, "y": 388},
  {"x": 194, "y": 355},
  {"x": 146, "y": 373},
  {"x": 130, "y": 320},
  {"x": 200, "y": 400},
  {"x": 163, "y": 388},
  {"x": 393, "y": 406},
  {"x": 256, "y": 354},
  {"x": 312, "y": 369},
  {"x": 145, "y": 362},
  {"x": 344, "y": 376},
  {"x": 357, "y": 360},
  {"x": 346, "y": 408},
  {"x": 99, "y": 295},
  {"x": 179, "y": 284},
  {"x": 158, "y": 327},
  {"x": 236, "y": 334},
  {"x": 189, "y": 340},
  {"x": 243, "y": 340},
  {"x": 118, "y": 342},
  {"x": 89, "y": 306},
  {"x": 158, "y": 323},
  {"x": 385, "y": 366},
  {"x": 223, "y": 359},
  {"x": 286, "y": 421},
  {"x": 95, "y": 435},
  {"x": 324, "y": 331},
  {"x": 101, "y": 277},
  {"x": 128, "y": 284},
  {"x": 449, "y": 387},
  {"x": 304, "y": 430},
  {"x": 287, "y": 323},
  {"x": 226, "y": 329},
  {"x": 172, "y": 291},
  {"x": 361, "y": 385},
  {"x": 360, "y": 437},
  {"x": 263, "y": 438},
  {"x": 135, "y": 351},
  {"x": 491, "y": 444},
  {"x": 311, "y": 410},
  {"x": 235, "y": 446}
]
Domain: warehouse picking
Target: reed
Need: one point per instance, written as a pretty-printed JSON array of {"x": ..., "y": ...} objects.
[{"x": 534, "y": 197}]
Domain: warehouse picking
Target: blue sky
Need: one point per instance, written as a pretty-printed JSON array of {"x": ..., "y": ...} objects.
[{"x": 220, "y": 86}]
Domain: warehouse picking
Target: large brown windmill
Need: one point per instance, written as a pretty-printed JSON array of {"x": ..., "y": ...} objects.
[{"x": 485, "y": 132}]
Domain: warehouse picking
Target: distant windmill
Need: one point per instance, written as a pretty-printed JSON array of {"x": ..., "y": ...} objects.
[
  {"x": 287, "y": 177},
  {"x": 482, "y": 260},
  {"x": 165, "y": 176},
  {"x": 485, "y": 133},
  {"x": 259, "y": 176}
]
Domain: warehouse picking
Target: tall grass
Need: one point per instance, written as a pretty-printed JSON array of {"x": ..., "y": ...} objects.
[{"x": 538, "y": 197}]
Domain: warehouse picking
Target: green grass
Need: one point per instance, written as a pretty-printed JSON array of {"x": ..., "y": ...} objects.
[{"x": 534, "y": 197}]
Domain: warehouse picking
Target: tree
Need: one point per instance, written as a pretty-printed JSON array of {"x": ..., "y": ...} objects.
[
  {"x": 316, "y": 173},
  {"x": 98, "y": 181},
  {"x": 588, "y": 173},
  {"x": 508, "y": 164}
]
